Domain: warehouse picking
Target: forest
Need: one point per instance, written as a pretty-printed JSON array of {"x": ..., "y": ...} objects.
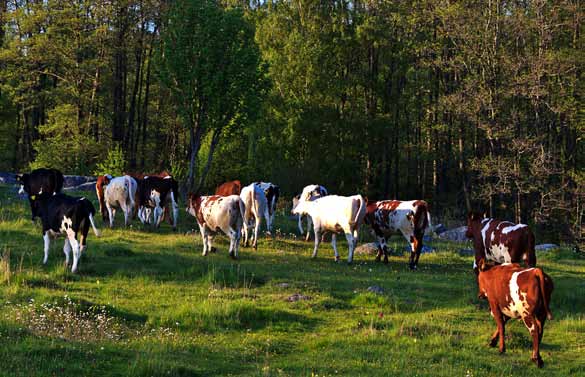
[{"x": 465, "y": 104}]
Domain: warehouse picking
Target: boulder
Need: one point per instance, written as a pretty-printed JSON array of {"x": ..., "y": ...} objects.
[
  {"x": 367, "y": 249},
  {"x": 456, "y": 234},
  {"x": 439, "y": 228},
  {"x": 77, "y": 180},
  {"x": 298, "y": 297},
  {"x": 546, "y": 247},
  {"x": 376, "y": 289},
  {"x": 8, "y": 178},
  {"x": 89, "y": 186}
]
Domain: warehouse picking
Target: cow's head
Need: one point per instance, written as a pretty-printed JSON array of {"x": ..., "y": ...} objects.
[
  {"x": 194, "y": 206},
  {"x": 473, "y": 223},
  {"x": 24, "y": 181}
]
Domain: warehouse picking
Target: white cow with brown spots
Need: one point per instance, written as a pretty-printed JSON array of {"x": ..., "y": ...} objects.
[
  {"x": 217, "y": 213},
  {"x": 309, "y": 193},
  {"x": 336, "y": 214},
  {"x": 517, "y": 292}
]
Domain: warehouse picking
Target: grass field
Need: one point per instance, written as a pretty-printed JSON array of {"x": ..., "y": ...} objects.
[{"x": 146, "y": 303}]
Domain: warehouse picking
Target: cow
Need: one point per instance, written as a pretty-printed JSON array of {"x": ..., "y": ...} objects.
[
  {"x": 309, "y": 193},
  {"x": 516, "y": 292},
  {"x": 217, "y": 213},
  {"x": 272, "y": 193},
  {"x": 71, "y": 216},
  {"x": 256, "y": 206},
  {"x": 137, "y": 205},
  {"x": 120, "y": 192},
  {"x": 154, "y": 193},
  {"x": 335, "y": 214},
  {"x": 101, "y": 182},
  {"x": 38, "y": 182},
  {"x": 229, "y": 188},
  {"x": 411, "y": 218},
  {"x": 500, "y": 241}
]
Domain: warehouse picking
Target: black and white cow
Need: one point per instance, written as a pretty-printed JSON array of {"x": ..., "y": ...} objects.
[
  {"x": 38, "y": 182},
  {"x": 154, "y": 192},
  {"x": 272, "y": 193},
  {"x": 67, "y": 215}
]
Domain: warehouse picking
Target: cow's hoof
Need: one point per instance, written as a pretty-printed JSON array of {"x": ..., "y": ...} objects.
[
  {"x": 493, "y": 343},
  {"x": 204, "y": 253},
  {"x": 213, "y": 249},
  {"x": 539, "y": 363},
  {"x": 386, "y": 260},
  {"x": 502, "y": 351},
  {"x": 378, "y": 258},
  {"x": 233, "y": 256}
]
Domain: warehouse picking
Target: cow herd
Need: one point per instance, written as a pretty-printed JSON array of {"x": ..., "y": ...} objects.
[{"x": 238, "y": 212}]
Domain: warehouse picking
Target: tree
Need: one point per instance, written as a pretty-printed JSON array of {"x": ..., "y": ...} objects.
[{"x": 211, "y": 66}]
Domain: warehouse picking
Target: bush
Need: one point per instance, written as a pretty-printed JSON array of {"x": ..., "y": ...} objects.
[{"x": 114, "y": 164}]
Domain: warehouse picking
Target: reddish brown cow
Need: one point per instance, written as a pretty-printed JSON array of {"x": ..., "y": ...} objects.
[
  {"x": 500, "y": 241},
  {"x": 229, "y": 188},
  {"x": 410, "y": 218},
  {"x": 516, "y": 292},
  {"x": 139, "y": 177},
  {"x": 102, "y": 181}
]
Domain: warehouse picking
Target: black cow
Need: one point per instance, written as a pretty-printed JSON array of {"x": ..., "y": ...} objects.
[
  {"x": 40, "y": 181},
  {"x": 71, "y": 216},
  {"x": 153, "y": 193}
]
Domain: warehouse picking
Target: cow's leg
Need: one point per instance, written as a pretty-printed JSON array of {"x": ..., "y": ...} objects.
[
  {"x": 309, "y": 226},
  {"x": 413, "y": 254},
  {"x": 351, "y": 241},
  {"x": 245, "y": 233},
  {"x": 300, "y": 224},
  {"x": 500, "y": 322},
  {"x": 66, "y": 251},
  {"x": 334, "y": 244},
  {"x": 75, "y": 248},
  {"x": 496, "y": 334},
  {"x": 158, "y": 216},
  {"x": 317, "y": 231},
  {"x": 111, "y": 214},
  {"x": 203, "y": 239},
  {"x": 126, "y": 208},
  {"x": 47, "y": 240},
  {"x": 534, "y": 326},
  {"x": 256, "y": 231},
  {"x": 175, "y": 206},
  {"x": 234, "y": 241},
  {"x": 210, "y": 246}
]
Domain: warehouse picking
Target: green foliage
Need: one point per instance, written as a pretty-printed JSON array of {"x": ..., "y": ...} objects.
[
  {"x": 115, "y": 163},
  {"x": 63, "y": 145}
]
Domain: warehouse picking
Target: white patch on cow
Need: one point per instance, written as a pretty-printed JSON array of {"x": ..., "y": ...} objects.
[
  {"x": 518, "y": 306},
  {"x": 41, "y": 191},
  {"x": 474, "y": 265},
  {"x": 509, "y": 229},
  {"x": 484, "y": 230},
  {"x": 168, "y": 177},
  {"x": 484, "y": 220},
  {"x": 21, "y": 190},
  {"x": 493, "y": 236},
  {"x": 500, "y": 253},
  {"x": 47, "y": 241}
]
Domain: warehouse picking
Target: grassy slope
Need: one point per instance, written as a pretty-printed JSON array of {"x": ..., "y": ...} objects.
[{"x": 146, "y": 303}]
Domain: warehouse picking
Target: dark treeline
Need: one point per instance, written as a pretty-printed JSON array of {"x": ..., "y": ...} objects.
[{"x": 466, "y": 104}]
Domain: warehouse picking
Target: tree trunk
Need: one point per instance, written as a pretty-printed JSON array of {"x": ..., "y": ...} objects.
[{"x": 214, "y": 142}]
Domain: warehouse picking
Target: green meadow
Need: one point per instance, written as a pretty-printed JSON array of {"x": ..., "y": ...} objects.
[{"x": 147, "y": 303}]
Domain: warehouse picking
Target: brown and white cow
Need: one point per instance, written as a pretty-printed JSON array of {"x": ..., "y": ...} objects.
[
  {"x": 500, "y": 241},
  {"x": 411, "y": 218},
  {"x": 218, "y": 213},
  {"x": 272, "y": 193},
  {"x": 517, "y": 292},
  {"x": 102, "y": 181},
  {"x": 309, "y": 193},
  {"x": 229, "y": 188}
]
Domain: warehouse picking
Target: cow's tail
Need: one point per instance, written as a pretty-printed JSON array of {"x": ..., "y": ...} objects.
[
  {"x": 361, "y": 208},
  {"x": 242, "y": 207},
  {"x": 96, "y": 231},
  {"x": 421, "y": 219},
  {"x": 129, "y": 185},
  {"x": 88, "y": 206},
  {"x": 540, "y": 276}
]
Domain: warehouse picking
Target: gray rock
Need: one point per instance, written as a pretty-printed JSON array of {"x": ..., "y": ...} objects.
[
  {"x": 376, "y": 289},
  {"x": 283, "y": 285},
  {"x": 8, "y": 178},
  {"x": 367, "y": 249},
  {"x": 89, "y": 186},
  {"x": 456, "y": 234},
  {"x": 439, "y": 228},
  {"x": 466, "y": 252},
  {"x": 298, "y": 297},
  {"x": 76, "y": 180},
  {"x": 546, "y": 247}
]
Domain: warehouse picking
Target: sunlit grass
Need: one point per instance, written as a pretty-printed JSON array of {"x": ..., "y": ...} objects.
[{"x": 146, "y": 303}]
